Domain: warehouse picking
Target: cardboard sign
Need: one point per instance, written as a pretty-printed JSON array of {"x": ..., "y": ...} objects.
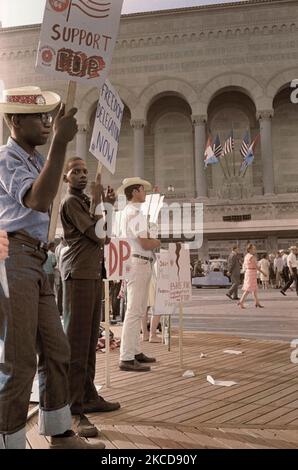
[
  {"x": 107, "y": 125},
  {"x": 179, "y": 273},
  {"x": 163, "y": 304},
  {"x": 118, "y": 259},
  {"x": 78, "y": 38}
]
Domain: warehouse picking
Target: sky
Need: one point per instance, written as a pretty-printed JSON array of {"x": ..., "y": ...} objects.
[{"x": 31, "y": 11}]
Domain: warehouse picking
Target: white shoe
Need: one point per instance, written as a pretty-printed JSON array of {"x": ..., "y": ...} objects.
[{"x": 155, "y": 339}]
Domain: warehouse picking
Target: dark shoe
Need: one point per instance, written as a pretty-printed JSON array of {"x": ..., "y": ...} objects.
[
  {"x": 144, "y": 359},
  {"x": 229, "y": 295},
  {"x": 236, "y": 298},
  {"x": 100, "y": 405},
  {"x": 133, "y": 366},
  {"x": 283, "y": 293},
  {"x": 73, "y": 442},
  {"x": 259, "y": 306},
  {"x": 84, "y": 428}
]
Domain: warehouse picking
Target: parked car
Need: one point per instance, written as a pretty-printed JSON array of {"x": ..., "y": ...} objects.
[{"x": 215, "y": 276}]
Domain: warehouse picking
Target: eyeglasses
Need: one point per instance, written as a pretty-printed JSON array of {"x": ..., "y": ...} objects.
[{"x": 46, "y": 118}]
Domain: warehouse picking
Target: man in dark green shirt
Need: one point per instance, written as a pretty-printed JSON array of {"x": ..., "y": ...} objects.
[{"x": 81, "y": 275}]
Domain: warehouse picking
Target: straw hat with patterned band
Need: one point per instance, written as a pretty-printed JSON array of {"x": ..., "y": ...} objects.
[
  {"x": 28, "y": 100},
  {"x": 293, "y": 248},
  {"x": 127, "y": 182}
]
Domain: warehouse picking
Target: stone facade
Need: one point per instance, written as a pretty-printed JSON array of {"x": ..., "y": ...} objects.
[{"x": 180, "y": 74}]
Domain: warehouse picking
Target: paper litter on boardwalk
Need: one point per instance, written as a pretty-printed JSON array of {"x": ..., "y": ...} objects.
[
  {"x": 222, "y": 383},
  {"x": 232, "y": 351},
  {"x": 188, "y": 374},
  {"x": 203, "y": 355}
]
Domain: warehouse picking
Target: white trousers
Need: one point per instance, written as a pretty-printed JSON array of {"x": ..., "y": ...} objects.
[{"x": 137, "y": 299}]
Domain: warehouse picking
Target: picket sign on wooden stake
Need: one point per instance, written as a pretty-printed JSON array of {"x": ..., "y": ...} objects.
[
  {"x": 107, "y": 331},
  {"x": 69, "y": 103},
  {"x": 181, "y": 335},
  {"x": 169, "y": 333}
]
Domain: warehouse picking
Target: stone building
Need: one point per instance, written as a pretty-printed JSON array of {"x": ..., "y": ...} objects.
[{"x": 182, "y": 74}]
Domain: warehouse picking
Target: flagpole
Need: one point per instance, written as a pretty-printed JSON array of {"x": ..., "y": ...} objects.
[
  {"x": 227, "y": 165},
  {"x": 222, "y": 167},
  {"x": 234, "y": 163},
  {"x": 245, "y": 172}
]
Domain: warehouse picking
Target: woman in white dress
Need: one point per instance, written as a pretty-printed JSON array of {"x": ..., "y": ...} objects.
[{"x": 264, "y": 265}]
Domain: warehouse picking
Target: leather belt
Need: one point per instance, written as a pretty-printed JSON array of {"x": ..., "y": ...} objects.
[
  {"x": 143, "y": 257},
  {"x": 28, "y": 241}
]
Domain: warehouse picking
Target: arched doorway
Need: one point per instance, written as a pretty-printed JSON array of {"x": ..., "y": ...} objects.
[
  {"x": 285, "y": 142},
  {"x": 233, "y": 110},
  {"x": 169, "y": 148}
]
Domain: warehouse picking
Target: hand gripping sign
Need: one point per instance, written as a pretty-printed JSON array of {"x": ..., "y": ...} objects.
[
  {"x": 118, "y": 259},
  {"x": 78, "y": 38}
]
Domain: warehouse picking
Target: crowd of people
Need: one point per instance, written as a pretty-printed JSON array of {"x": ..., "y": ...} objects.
[{"x": 277, "y": 270}]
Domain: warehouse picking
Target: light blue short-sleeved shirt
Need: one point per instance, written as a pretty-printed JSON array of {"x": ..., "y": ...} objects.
[{"x": 17, "y": 174}]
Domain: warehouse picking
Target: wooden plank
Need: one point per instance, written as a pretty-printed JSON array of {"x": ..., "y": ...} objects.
[
  {"x": 141, "y": 441},
  {"x": 119, "y": 440},
  {"x": 35, "y": 440},
  {"x": 159, "y": 437}
]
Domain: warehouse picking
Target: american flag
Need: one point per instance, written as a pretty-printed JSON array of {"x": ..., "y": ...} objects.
[
  {"x": 248, "y": 156},
  {"x": 92, "y": 8},
  {"x": 229, "y": 145},
  {"x": 217, "y": 147},
  {"x": 245, "y": 145}
]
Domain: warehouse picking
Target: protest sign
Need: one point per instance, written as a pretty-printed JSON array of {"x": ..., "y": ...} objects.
[
  {"x": 107, "y": 125},
  {"x": 78, "y": 38},
  {"x": 163, "y": 305},
  {"x": 179, "y": 273},
  {"x": 118, "y": 259}
]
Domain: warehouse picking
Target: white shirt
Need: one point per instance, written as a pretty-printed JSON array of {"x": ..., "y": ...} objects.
[
  {"x": 293, "y": 260},
  {"x": 278, "y": 264},
  {"x": 134, "y": 225}
]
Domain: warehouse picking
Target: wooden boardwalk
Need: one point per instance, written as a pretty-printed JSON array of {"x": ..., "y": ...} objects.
[{"x": 162, "y": 410}]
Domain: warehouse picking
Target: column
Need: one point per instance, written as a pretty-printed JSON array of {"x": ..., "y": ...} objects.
[
  {"x": 265, "y": 118},
  {"x": 199, "y": 123},
  {"x": 81, "y": 142},
  {"x": 139, "y": 146}
]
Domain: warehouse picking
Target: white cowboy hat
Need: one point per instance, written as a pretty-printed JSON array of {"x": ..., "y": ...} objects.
[
  {"x": 132, "y": 182},
  {"x": 293, "y": 247},
  {"x": 28, "y": 100}
]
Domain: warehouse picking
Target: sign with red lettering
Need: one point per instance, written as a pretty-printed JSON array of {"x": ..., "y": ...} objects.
[
  {"x": 78, "y": 38},
  {"x": 118, "y": 259}
]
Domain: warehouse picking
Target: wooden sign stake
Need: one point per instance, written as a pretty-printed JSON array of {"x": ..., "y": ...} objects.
[
  {"x": 181, "y": 335},
  {"x": 107, "y": 331},
  {"x": 70, "y": 99}
]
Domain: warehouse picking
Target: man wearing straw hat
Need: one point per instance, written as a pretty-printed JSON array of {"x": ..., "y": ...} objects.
[
  {"x": 134, "y": 226},
  {"x": 29, "y": 319}
]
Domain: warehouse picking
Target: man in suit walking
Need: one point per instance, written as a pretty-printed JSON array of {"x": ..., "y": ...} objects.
[{"x": 234, "y": 267}]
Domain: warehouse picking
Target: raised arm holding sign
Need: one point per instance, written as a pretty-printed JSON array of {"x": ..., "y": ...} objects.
[{"x": 76, "y": 44}]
